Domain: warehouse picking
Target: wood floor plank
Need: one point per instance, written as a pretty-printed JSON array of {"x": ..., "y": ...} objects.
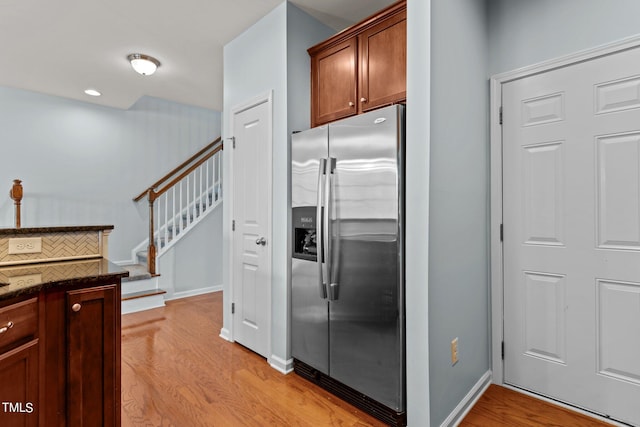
[
  {"x": 178, "y": 372},
  {"x": 500, "y": 406}
]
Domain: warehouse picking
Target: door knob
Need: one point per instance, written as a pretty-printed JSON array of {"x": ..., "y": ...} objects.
[
  {"x": 76, "y": 307},
  {"x": 363, "y": 99},
  {"x": 261, "y": 241}
]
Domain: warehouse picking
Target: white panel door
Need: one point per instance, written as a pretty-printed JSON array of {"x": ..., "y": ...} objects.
[
  {"x": 571, "y": 188},
  {"x": 251, "y": 245}
]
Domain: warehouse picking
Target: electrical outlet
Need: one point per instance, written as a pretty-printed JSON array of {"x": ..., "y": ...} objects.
[
  {"x": 454, "y": 351},
  {"x": 25, "y": 245}
]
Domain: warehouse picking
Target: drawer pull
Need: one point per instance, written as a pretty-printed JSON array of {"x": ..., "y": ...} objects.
[
  {"x": 6, "y": 327},
  {"x": 76, "y": 307}
]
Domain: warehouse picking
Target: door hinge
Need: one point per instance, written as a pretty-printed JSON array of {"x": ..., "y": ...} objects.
[
  {"x": 500, "y": 114},
  {"x": 233, "y": 225},
  {"x": 502, "y": 350},
  {"x": 501, "y": 233},
  {"x": 233, "y": 307}
]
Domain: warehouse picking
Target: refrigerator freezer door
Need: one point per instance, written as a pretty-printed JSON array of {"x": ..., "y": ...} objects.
[
  {"x": 309, "y": 311},
  {"x": 366, "y": 326}
]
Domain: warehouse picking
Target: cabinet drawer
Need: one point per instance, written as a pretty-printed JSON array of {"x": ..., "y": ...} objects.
[{"x": 18, "y": 322}]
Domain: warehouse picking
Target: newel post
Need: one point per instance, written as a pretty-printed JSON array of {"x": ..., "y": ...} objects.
[
  {"x": 16, "y": 194},
  {"x": 151, "y": 250}
]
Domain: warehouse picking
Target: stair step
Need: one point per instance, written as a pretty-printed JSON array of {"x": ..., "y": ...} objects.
[
  {"x": 136, "y": 272},
  {"x": 142, "y": 294}
]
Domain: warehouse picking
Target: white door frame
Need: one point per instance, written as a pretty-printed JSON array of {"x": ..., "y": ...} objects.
[
  {"x": 497, "y": 280},
  {"x": 267, "y": 98}
]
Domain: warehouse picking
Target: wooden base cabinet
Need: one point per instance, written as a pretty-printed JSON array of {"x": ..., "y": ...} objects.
[
  {"x": 93, "y": 348},
  {"x": 82, "y": 357},
  {"x": 361, "y": 68},
  {"x": 19, "y": 363},
  {"x": 81, "y": 378}
]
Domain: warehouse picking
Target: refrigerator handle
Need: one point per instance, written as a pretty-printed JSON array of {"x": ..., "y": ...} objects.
[
  {"x": 321, "y": 252},
  {"x": 331, "y": 274}
]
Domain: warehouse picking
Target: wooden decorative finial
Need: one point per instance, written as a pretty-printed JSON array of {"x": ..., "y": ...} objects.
[{"x": 16, "y": 195}]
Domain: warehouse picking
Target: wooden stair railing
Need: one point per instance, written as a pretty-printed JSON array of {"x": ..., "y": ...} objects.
[{"x": 155, "y": 191}]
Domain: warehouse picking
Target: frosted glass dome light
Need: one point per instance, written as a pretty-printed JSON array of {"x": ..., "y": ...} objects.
[{"x": 143, "y": 64}]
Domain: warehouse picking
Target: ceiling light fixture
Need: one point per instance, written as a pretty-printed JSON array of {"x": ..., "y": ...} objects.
[
  {"x": 92, "y": 92},
  {"x": 143, "y": 64}
]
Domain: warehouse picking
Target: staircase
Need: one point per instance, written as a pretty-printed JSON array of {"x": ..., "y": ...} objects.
[{"x": 177, "y": 203}]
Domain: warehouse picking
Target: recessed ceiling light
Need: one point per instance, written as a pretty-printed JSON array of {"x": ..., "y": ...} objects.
[
  {"x": 92, "y": 92},
  {"x": 143, "y": 64}
]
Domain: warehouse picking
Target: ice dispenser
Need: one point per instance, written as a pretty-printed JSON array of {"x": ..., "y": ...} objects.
[{"x": 304, "y": 233}]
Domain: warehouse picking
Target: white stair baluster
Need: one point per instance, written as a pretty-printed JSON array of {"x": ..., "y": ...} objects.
[
  {"x": 181, "y": 206},
  {"x": 195, "y": 197},
  {"x": 158, "y": 222},
  {"x": 200, "y": 193},
  {"x": 219, "y": 168},
  {"x": 166, "y": 218},
  {"x": 206, "y": 186},
  {"x": 173, "y": 213}
]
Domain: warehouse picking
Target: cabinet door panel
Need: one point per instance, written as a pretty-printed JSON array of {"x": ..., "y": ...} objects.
[
  {"x": 333, "y": 83},
  {"x": 93, "y": 351},
  {"x": 19, "y": 386},
  {"x": 383, "y": 63}
]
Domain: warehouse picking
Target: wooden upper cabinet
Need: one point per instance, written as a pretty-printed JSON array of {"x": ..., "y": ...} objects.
[
  {"x": 360, "y": 68},
  {"x": 334, "y": 77},
  {"x": 383, "y": 63}
]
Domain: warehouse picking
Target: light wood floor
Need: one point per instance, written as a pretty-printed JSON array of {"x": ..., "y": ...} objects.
[{"x": 177, "y": 371}]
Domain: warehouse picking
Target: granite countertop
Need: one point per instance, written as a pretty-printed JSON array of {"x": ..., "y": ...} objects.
[
  {"x": 25, "y": 279},
  {"x": 57, "y": 229}
]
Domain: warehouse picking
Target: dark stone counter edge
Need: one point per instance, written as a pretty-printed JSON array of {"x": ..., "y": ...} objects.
[
  {"x": 58, "y": 229},
  {"x": 118, "y": 272}
]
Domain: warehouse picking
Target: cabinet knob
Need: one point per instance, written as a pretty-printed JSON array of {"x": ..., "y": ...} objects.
[
  {"x": 363, "y": 99},
  {"x": 76, "y": 307},
  {"x": 351, "y": 104},
  {"x": 6, "y": 327}
]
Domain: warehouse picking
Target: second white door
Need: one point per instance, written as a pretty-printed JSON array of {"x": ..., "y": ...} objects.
[
  {"x": 571, "y": 200},
  {"x": 251, "y": 216}
]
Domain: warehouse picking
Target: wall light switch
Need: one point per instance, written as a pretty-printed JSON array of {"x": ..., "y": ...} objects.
[{"x": 25, "y": 245}]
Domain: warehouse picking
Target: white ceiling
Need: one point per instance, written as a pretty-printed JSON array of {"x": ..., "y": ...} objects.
[{"x": 63, "y": 47}]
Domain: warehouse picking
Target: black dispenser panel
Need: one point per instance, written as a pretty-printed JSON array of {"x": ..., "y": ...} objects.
[{"x": 304, "y": 233}]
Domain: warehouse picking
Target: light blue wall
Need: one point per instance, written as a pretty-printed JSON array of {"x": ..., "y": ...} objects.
[
  {"x": 256, "y": 62},
  {"x": 524, "y": 32},
  {"x": 417, "y": 210},
  {"x": 82, "y": 163},
  {"x": 459, "y": 200},
  {"x": 194, "y": 264}
]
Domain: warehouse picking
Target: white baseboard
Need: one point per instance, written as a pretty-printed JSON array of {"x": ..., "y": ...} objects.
[
  {"x": 463, "y": 408},
  {"x": 225, "y": 334},
  {"x": 194, "y": 292},
  {"x": 123, "y": 262},
  {"x": 281, "y": 365},
  {"x": 140, "y": 304}
]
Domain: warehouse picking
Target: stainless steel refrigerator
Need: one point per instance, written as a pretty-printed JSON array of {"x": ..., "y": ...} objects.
[{"x": 347, "y": 268}]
